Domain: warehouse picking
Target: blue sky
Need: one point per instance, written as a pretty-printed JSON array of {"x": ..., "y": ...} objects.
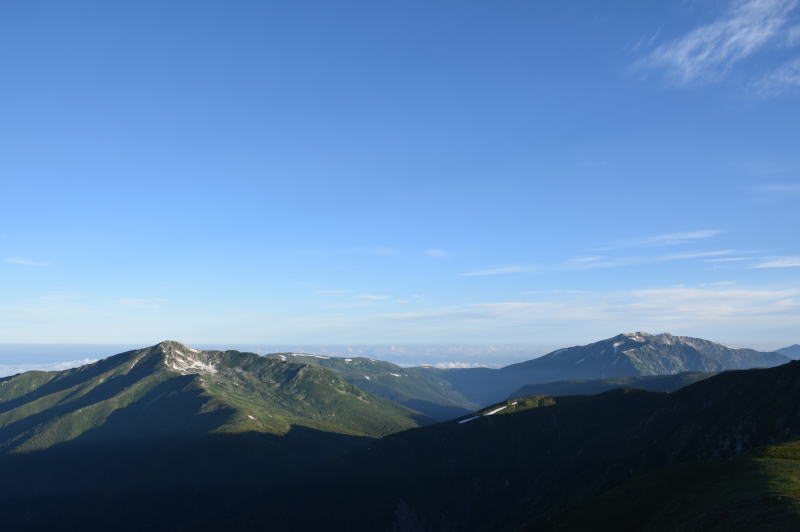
[{"x": 399, "y": 172}]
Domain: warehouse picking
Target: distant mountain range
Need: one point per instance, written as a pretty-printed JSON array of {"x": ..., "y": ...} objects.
[
  {"x": 793, "y": 351},
  {"x": 170, "y": 437},
  {"x": 624, "y": 355}
]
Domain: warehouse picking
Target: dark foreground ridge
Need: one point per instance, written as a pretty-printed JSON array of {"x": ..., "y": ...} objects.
[{"x": 171, "y": 438}]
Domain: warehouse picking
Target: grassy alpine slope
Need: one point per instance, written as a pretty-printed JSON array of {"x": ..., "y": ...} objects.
[
  {"x": 415, "y": 388},
  {"x": 171, "y": 389},
  {"x": 759, "y": 491}
]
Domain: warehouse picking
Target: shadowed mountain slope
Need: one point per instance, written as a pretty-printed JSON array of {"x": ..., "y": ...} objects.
[
  {"x": 651, "y": 383},
  {"x": 524, "y": 462}
]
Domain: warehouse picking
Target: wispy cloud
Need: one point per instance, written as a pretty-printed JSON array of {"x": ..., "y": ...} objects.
[
  {"x": 383, "y": 251},
  {"x": 695, "y": 255},
  {"x": 141, "y": 303},
  {"x": 618, "y": 262},
  {"x": 371, "y": 297},
  {"x": 505, "y": 270},
  {"x": 24, "y": 261},
  {"x": 730, "y": 259},
  {"x": 779, "y": 262},
  {"x": 783, "y": 79},
  {"x": 673, "y": 239},
  {"x": 707, "y": 52},
  {"x": 437, "y": 253},
  {"x": 666, "y": 239},
  {"x": 785, "y": 188},
  {"x": 331, "y": 293},
  {"x": 584, "y": 260},
  {"x": 649, "y": 308}
]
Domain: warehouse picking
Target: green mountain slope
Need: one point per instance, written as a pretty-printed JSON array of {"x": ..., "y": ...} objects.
[
  {"x": 173, "y": 390},
  {"x": 652, "y": 383},
  {"x": 625, "y": 355},
  {"x": 416, "y": 388}
]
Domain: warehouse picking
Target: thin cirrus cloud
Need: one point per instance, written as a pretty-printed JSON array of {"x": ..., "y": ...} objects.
[
  {"x": 585, "y": 260},
  {"x": 730, "y": 259},
  {"x": 24, "y": 261},
  {"x": 437, "y": 253},
  {"x": 142, "y": 303},
  {"x": 779, "y": 262},
  {"x": 707, "y": 52},
  {"x": 783, "y": 79},
  {"x": 652, "y": 308},
  {"x": 665, "y": 239},
  {"x": 785, "y": 188},
  {"x": 504, "y": 270},
  {"x": 619, "y": 262}
]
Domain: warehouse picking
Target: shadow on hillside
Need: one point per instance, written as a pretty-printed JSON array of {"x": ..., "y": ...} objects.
[
  {"x": 168, "y": 483},
  {"x": 102, "y": 392},
  {"x": 712, "y": 496},
  {"x": 436, "y": 412},
  {"x": 70, "y": 378}
]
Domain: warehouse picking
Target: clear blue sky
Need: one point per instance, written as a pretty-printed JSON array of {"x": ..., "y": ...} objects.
[{"x": 399, "y": 171}]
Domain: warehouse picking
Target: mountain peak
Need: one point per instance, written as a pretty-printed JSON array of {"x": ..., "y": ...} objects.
[
  {"x": 184, "y": 359},
  {"x": 170, "y": 344},
  {"x": 640, "y": 336}
]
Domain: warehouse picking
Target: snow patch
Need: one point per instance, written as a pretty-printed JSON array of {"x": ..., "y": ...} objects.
[
  {"x": 495, "y": 410},
  {"x": 308, "y": 355},
  {"x": 251, "y": 417},
  {"x": 348, "y": 359},
  {"x": 367, "y": 377},
  {"x": 468, "y": 419},
  {"x": 185, "y": 364},
  {"x": 579, "y": 361},
  {"x": 395, "y": 374}
]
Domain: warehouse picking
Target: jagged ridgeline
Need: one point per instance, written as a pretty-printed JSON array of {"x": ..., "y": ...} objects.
[
  {"x": 173, "y": 390},
  {"x": 624, "y": 355}
]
